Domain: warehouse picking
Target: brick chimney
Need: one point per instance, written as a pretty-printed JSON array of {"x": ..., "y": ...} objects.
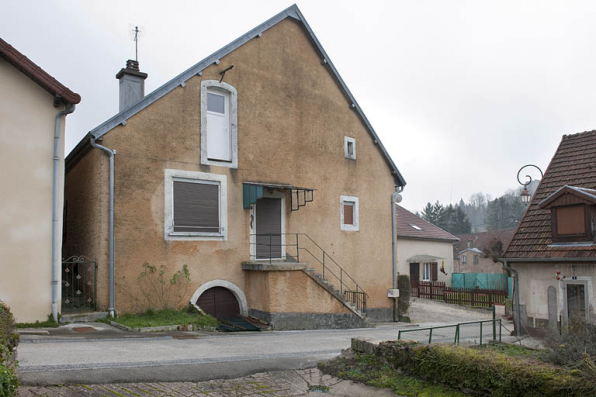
[{"x": 132, "y": 84}]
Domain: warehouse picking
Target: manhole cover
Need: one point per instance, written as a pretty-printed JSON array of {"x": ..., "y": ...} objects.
[{"x": 84, "y": 329}]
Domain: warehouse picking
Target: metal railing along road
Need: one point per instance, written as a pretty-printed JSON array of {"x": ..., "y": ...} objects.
[
  {"x": 270, "y": 247},
  {"x": 469, "y": 332}
]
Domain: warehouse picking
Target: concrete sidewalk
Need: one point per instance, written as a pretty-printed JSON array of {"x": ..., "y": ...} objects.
[{"x": 308, "y": 382}]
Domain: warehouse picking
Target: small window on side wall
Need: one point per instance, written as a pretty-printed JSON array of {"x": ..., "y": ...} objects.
[
  {"x": 349, "y": 213},
  {"x": 349, "y": 148}
]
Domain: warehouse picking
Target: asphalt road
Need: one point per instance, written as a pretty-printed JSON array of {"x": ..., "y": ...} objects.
[{"x": 65, "y": 359}]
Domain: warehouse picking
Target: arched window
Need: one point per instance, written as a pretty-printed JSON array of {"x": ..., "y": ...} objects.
[{"x": 219, "y": 124}]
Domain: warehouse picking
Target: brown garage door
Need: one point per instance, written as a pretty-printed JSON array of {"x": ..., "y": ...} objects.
[{"x": 219, "y": 302}]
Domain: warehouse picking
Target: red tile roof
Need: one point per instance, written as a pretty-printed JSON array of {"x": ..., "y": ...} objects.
[
  {"x": 574, "y": 164},
  {"x": 37, "y": 74},
  {"x": 482, "y": 240},
  {"x": 408, "y": 225}
]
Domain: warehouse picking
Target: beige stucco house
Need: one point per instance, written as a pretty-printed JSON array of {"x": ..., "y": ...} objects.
[
  {"x": 258, "y": 170},
  {"x": 33, "y": 109},
  {"x": 479, "y": 252},
  {"x": 424, "y": 251},
  {"x": 553, "y": 253}
]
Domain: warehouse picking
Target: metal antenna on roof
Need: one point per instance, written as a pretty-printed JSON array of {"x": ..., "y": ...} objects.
[{"x": 136, "y": 39}]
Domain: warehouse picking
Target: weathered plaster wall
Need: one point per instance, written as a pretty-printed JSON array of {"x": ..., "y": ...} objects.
[
  {"x": 292, "y": 119},
  {"x": 87, "y": 211},
  {"x": 408, "y": 248},
  {"x": 289, "y": 292},
  {"x": 27, "y": 118},
  {"x": 536, "y": 278}
]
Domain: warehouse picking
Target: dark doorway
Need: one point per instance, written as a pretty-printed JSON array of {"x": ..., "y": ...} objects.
[
  {"x": 219, "y": 302},
  {"x": 414, "y": 272},
  {"x": 269, "y": 239},
  {"x": 576, "y": 302}
]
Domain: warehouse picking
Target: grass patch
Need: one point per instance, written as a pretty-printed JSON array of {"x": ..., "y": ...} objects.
[
  {"x": 157, "y": 318},
  {"x": 49, "y": 323},
  {"x": 370, "y": 371},
  {"x": 516, "y": 351}
]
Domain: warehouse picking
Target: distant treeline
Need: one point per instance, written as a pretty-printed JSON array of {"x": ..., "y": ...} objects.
[{"x": 479, "y": 214}]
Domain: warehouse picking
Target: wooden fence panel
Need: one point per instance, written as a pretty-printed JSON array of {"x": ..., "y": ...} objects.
[{"x": 461, "y": 296}]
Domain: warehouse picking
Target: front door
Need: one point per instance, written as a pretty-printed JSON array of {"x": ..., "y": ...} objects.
[
  {"x": 414, "y": 272},
  {"x": 576, "y": 302},
  {"x": 269, "y": 228}
]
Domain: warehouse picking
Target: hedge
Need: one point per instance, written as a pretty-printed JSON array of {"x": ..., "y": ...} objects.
[
  {"x": 9, "y": 341},
  {"x": 483, "y": 370}
]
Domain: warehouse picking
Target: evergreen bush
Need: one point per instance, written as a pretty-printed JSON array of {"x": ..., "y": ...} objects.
[
  {"x": 403, "y": 302},
  {"x": 9, "y": 341}
]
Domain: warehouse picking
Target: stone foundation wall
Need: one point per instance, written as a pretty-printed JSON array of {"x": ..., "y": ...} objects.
[{"x": 301, "y": 321}]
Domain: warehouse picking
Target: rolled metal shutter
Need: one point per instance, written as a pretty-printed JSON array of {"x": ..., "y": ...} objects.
[{"x": 196, "y": 207}]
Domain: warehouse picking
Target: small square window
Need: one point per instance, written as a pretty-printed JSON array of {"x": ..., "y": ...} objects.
[
  {"x": 349, "y": 148},
  {"x": 349, "y": 213}
]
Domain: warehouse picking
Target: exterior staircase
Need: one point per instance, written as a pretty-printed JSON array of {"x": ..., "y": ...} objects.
[{"x": 318, "y": 278}]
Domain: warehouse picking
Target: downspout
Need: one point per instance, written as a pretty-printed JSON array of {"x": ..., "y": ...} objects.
[
  {"x": 110, "y": 153},
  {"x": 55, "y": 226},
  {"x": 516, "y": 316},
  {"x": 394, "y": 200}
]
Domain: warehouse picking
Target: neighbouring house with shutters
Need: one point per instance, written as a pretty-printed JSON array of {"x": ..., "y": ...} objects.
[
  {"x": 33, "y": 111},
  {"x": 424, "y": 251},
  {"x": 257, "y": 169},
  {"x": 552, "y": 252}
]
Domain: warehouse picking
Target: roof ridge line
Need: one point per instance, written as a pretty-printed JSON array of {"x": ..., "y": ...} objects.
[{"x": 292, "y": 11}]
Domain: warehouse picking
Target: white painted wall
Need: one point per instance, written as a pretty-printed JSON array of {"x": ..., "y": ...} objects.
[
  {"x": 535, "y": 278},
  {"x": 27, "y": 117},
  {"x": 408, "y": 248}
]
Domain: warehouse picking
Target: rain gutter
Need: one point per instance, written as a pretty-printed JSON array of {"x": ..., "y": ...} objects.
[
  {"x": 55, "y": 225},
  {"x": 394, "y": 198},
  {"x": 110, "y": 153}
]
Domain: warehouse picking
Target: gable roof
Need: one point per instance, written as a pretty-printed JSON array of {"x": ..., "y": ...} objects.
[
  {"x": 37, "y": 74},
  {"x": 482, "y": 240},
  {"x": 197, "y": 69},
  {"x": 587, "y": 196},
  {"x": 574, "y": 164},
  {"x": 408, "y": 225}
]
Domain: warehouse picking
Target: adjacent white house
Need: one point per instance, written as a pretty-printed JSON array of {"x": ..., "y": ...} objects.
[{"x": 424, "y": 251}]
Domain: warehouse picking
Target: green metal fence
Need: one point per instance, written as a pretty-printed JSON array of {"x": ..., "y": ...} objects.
[
  {"x": 479, "y": 280},
  {"x": 470, "y": 332}
]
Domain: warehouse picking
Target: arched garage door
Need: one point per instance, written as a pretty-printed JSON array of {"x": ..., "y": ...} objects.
[{"x": 219, "y": 302}]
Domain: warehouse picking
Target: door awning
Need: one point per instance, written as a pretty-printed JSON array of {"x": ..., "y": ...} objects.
[
  {"x": 299, "y": 196},
  {"x": 424, "y": 258}
]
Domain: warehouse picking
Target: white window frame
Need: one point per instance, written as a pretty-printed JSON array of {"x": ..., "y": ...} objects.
[
  {"x": 232, "y": 95},
  {"x": 172, "y": 175},
  {"x": 427, "y": 272},
  {"x": 464, "y": 260},
  {"x": 347, "y": 154},
  {"x": 356, "y": 214}
]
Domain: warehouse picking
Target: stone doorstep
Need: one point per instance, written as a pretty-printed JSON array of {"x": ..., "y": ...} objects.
[
  {"x": 82, "y": 317},
  {"x": 163, "y": 328}
]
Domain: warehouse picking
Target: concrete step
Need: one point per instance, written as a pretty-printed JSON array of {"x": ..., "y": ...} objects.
[{"x": 82, "y": 317}]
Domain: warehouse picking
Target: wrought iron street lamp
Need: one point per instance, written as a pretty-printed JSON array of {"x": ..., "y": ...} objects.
[{"x": 525, "y": 194}]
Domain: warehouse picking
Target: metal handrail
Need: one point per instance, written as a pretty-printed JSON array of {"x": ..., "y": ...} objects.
[
  {"x": 457, "y": 330},
  {"x": 357, "y": 296}
]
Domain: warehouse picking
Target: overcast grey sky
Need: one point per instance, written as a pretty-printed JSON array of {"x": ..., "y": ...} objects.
[{"x": 462, "y": 93}]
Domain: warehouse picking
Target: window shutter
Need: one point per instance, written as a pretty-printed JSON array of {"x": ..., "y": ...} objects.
[
  {"x": 348, "y": 213},
  {"x": 571, "y": 220},
  {"x": 435, "y": 271},
  {"x": 196, "y": 207}
]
